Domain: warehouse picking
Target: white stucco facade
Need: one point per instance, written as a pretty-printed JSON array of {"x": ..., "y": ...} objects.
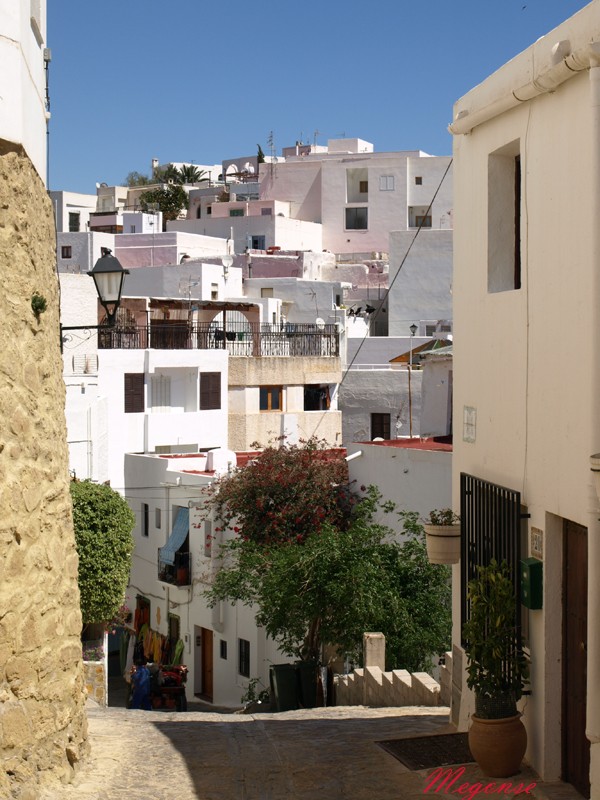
[
  {"x": 23, "y": 113},
  {"x": 526, "y": 408}
]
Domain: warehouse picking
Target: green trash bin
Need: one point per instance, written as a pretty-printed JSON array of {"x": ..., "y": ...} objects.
[
  {"x": 284, "y": 685},
  {"x": 307, "y": 679}
]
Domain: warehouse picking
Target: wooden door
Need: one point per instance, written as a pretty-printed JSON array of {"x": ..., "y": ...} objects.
[
  {"x": 575, "y": 745},
  {"x": 207, "y": 664}
]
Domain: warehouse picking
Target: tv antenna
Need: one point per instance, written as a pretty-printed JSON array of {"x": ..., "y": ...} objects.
[{"x": 271, "y": 144}]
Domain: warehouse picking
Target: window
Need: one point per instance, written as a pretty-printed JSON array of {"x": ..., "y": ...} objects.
[
  {"x": 145, "y": 520},
  {"x": 258, "y": 242},
  {"x": 316, "y": 398},
  {"x": 132, "y": 229},
  {"x": 418, "y": 180},
  {"x": 419, "y": 217},
  {"x": 134, "y": 392},
  {"x": 214, "y": 291},
  {"x": 236, "y": 212},
  {"x": 157, "y": 518},
  {"x": 73, "y": 221},
  {"x": 386, "y": 183},
  {"x": 271, "y": 398},
  {"x": 66, "y": 251},
  {"x": 223, "y": 649},
  {"x": 244, "y": 657},
  {"x": 208, "y": 211},
  {"x": 380, "y": 426},
  {"x": 210, "y": 391},
  {"x": 504, "y": 219},
  {"x": 266, "y": 292},
  {"x": 357, "y": 219},
  {"x": 266, "y": 212},
  {"x": 363, "y": 187},
  {"x": 160, "y": 387},
  {"x": 357, "y": 185}
]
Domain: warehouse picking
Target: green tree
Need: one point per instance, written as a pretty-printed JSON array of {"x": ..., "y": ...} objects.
[
  {"x": 260, "y": 159},
  {"x": 103, "y": 523},
  {"x": 169, "y": 199},
  {"x": 329, "y": 585},
  {"x": 137, "y": 179},
  {"x": 170, "y": 173},
  {"x": 190, "y": 174}
]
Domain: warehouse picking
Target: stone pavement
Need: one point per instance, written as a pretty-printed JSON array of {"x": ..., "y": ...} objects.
[{"x": 297, "y": 755}]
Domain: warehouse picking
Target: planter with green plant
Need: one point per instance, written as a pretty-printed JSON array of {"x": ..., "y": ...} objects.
[
  {"x": 497, "y": 671},
  {"x": 442, "y": 536}
]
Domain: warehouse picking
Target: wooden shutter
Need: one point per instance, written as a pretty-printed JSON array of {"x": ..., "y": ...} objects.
[
  {"x": 134, "y": 392},
  {"x": 210, "y": 390}
]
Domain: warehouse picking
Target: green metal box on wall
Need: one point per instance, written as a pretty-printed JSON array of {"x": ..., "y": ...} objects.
[{"x": 532, "y": 570}]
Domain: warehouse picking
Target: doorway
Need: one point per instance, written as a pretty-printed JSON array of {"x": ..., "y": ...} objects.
[
  {"x": 203, "y": 663},
  {"x": 575, "y": 745}
]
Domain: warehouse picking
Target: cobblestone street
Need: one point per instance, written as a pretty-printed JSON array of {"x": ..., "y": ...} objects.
[{"x": 298, "y": 755}]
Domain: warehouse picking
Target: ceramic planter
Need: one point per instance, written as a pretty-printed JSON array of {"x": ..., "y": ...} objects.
[
  {"x": 498, "y": 745},
  {"x": 443, "y": 543}
]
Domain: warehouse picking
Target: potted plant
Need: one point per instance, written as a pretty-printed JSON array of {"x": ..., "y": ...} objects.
[
  {"x": 442, "y": 535},
  {"x": 497, "y": 670}
]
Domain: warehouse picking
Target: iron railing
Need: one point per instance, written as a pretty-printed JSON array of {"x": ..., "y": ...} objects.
[
  {"x": 177, "y": 574},
  {"x": 239, "y": 339}
]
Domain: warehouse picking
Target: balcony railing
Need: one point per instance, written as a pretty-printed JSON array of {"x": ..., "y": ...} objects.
[
  {"x": 178, "y": 573},
  {"x": 239, "y": 339}
]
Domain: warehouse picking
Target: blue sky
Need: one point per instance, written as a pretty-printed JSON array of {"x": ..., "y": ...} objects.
[{"x": 200, "y": 81}]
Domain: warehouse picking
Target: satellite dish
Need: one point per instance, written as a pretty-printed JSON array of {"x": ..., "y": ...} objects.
[
  {"x": 320, "y": 323},
  {"x": 227, "y": 261}
]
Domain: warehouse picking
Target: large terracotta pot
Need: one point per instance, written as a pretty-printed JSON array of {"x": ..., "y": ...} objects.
[
  {"x": 443, "y": 543},
  {"x": 498, "y": 745}
]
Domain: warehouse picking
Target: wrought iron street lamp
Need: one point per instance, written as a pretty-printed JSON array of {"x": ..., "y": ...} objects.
[{"x": 108, "y": 275}]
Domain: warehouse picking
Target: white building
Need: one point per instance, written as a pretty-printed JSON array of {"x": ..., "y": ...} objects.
[
  {"x": 526, "y": 404},
  {"x": 72, "y": 210}
]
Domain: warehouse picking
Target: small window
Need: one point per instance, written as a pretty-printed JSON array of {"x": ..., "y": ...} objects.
[
  {"x": 74, "y": 221},
  {"x": 266, "y": 212},
  {"x": 244, "y": 657},
  {"x": 357, "y": 219},
  {"x": 266, "y": 292},
  {"x": 271, "y": 398},
  {"x": 134, "y": 392},
  {"x": 208, "y": 211},
  {"x": 418, "y": 180},
  {"x": 386, "y": 183},
  {"x": 157, "y": 518},
  {"x": 199, "y": 212},
  {"x": 210, "y": 391},
  {"x": 236, "y": 212},
  {"x": 214, "y": 291},
  {"x": 317, "y": 398},
  {"x": 145, "y": 520},
  {"x": 423, "y": 221},
  {"x": 380, "y": 426},
  {"x": 66, "y": 251},
  {"x": 363, "y": 187},
  {"x": 223, "y": 649},
  {"x": 132, "y": 229}
]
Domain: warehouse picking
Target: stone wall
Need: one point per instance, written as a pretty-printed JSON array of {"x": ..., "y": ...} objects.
[
  {"x": 42, "y": 718},
  {"x": 95, "y": 681}
]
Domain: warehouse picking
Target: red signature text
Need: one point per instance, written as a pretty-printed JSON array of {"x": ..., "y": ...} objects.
[{"x": 448, "y": 781}]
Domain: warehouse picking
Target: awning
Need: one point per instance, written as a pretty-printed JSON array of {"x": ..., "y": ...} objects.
[{"x": 178, "y": 535}]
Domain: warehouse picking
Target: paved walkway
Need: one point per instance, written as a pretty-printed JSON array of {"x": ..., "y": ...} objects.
[{"x": 298, "y": 755}]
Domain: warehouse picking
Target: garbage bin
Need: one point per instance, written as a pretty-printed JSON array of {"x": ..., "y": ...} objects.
[
  {"x": 307, "y": 679},
  {"x": 284, "y": 685}
]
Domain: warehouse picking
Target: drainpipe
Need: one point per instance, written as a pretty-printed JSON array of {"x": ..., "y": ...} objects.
[{"x": 593, "y": 651}]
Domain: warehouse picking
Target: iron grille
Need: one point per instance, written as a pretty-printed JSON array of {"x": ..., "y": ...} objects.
[{"x": 490, "y": 528}]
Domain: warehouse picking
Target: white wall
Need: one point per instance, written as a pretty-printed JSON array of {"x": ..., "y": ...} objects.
[
  {"x": 86, "y": 249},
  {"x": 22, "y": 78},
  {"x": 65, "y": 202},
  {"x": 423, "y": 288},
  {"x": 164, "y": 249},
  {"x": 416, "y": 478}
]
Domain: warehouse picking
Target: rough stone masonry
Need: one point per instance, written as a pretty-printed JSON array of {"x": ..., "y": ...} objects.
[{"x": 43, "y": 728}]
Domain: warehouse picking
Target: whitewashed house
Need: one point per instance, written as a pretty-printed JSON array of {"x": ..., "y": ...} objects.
[{"x": 527, "y": 372}]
